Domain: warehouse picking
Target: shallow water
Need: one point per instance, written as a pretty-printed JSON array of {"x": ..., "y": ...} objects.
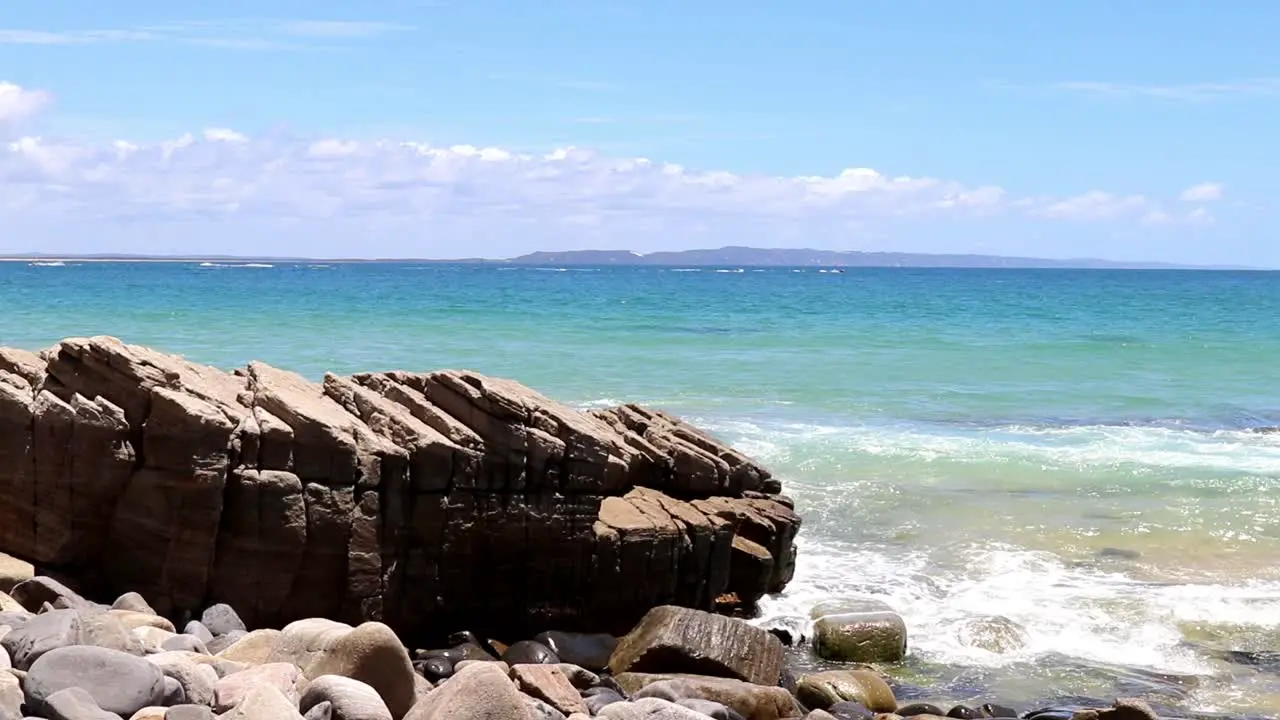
[{"x": 1075, "y": 451}]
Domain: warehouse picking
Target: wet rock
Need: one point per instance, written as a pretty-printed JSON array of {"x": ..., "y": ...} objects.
[
  {"x": 586, "y": 650},
  {"x": 580, "y": 678},
  {"x": 462, "y": 651},
  {"x": 548, "y": 684},
  {"x": 824, "y": 689},
  {"x": 528, "y": 652},
  {"x": 1128, "y": 709},
  {"x": 600, "y": 698},
  {"x": 678, "y": 640},
  {"x": 845, "y": 606},
  {"x": 920, "y": 709},
  {"x": 434, "y": 668},
  {"x": 348, "y": 699},
  {"x": 995, "y": 634},
  {"x": 118, "y": 682},
  {"x": 964, "y": 712},
  {"x": 993, "y": 710},
  {"x": 1119, "y": 553},
  {"x": 478, "y": 692},
  {"x": 868, "y": 637}
]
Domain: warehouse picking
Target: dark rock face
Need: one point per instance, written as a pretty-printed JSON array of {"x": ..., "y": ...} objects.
[{"x": 422, "y": 500}]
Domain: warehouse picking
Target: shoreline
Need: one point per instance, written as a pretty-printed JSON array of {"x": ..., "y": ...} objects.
[{"x": 713, "y": 666}]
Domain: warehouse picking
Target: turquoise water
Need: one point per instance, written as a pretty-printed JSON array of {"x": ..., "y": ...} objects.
[{"x": 1076, "y": 451}]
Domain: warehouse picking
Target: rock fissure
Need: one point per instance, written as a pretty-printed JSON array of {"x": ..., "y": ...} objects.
[{"x": 428, "y": 501}]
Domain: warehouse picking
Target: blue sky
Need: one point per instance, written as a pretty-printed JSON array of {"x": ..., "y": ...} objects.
[{"x": 1138, "y": 130}]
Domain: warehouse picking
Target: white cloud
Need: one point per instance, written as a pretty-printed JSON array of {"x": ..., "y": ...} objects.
[
  {"x": 1204, "y": 192},
  {"x": 223, "y": 191},
  {"x": 1098, "y": 205},
  {"x": 1201, "y": 216},
  {"x": 462, "y": 193},
  {"x": 18, "y": 103},
  {"x": 224, "y": 135},
  {"x": 339, "y": 28},
  {"x": 1184, "y": 92},
  {"x": 230, "y": 34}
]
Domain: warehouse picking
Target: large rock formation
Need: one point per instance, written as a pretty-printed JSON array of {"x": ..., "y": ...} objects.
[{"x": 429, "y": 501}]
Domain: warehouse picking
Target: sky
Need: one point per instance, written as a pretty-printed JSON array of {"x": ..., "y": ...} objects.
[{"x": 1141, "y": 130}]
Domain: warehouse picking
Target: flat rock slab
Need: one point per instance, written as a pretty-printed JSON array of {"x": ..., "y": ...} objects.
[
  {"x": 679, "y": 640},
  {"x": 550, "y": 685}
]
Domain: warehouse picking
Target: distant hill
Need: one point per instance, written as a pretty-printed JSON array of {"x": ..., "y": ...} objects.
[
  {"x": 733, "y": 256},
  {"x": 757, "y": 257}
]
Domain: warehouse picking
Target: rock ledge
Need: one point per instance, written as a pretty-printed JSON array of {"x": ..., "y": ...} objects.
[{"x": 426, "y": 501}]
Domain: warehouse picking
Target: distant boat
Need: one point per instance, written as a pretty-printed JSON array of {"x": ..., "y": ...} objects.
[{"x": 47, "y": 263}]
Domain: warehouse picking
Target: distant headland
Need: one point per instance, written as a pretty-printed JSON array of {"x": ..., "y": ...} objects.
[{"x": 731, "y": 256}]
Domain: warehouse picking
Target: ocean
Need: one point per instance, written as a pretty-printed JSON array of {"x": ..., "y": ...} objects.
[{"x": 1086, "y": 454}]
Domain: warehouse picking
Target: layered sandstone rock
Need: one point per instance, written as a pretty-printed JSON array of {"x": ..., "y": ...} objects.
[{"x": 424, "y": 500}]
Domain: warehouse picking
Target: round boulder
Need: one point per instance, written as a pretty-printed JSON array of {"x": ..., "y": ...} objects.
[
  {"x": 586, "y": 650},
  {"x": 822, "y": 690},
  {"x": 867, "y": 637},
  {"x": 478, "y": 691},
  {"x": 117, "y": 681},
  {"x": 844, "y": 606},
  {"x": 222, "y": 619},
  {"x": 752, "y": 702},
  {"x": 370, "y": 653},
  {"x": 528, "y": 652},
  {"x": 348, "y": 699}
]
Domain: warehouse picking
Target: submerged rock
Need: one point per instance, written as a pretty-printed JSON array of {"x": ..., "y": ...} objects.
[
  {"x": 996, "y": 634},
  {"x": 368, "y": 498}
]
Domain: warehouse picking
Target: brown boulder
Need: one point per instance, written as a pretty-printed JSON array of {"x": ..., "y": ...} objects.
[
  {"x": 370, "y": 497},
  {"x": 679, "y": 640}
]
